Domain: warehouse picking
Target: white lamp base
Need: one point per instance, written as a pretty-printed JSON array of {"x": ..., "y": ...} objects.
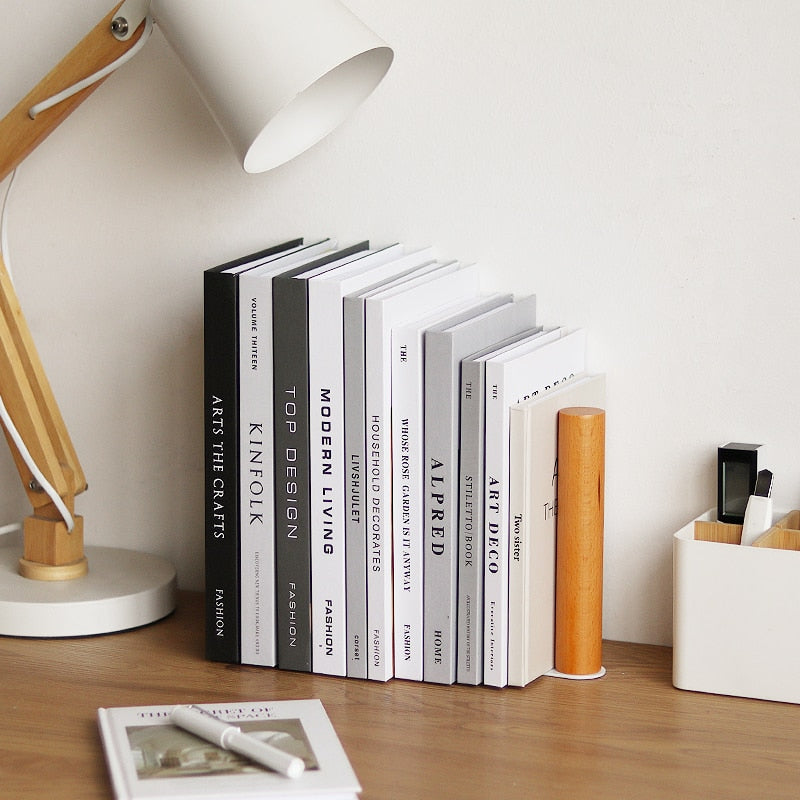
[{"x": 124, "y": 589}]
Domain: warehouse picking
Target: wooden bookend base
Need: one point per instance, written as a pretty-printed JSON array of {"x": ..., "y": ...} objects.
[{"x": 51, "y": 552}]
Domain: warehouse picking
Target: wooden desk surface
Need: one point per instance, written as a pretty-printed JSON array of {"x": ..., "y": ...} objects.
[{"x": 627, "y": 735}]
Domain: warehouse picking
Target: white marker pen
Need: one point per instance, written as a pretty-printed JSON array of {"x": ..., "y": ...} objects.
[
  {"x": 758, "y": 513},
  {"x": 230, "y": 737}
]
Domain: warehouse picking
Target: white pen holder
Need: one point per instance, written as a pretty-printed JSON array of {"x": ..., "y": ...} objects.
[{"x": 735, "y": 623}]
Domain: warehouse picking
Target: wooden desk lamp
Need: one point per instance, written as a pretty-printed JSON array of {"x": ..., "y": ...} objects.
[{"x": 277, "y": 75}]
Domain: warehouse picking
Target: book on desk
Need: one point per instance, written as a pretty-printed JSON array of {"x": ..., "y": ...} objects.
[{"x": 150, "y": 757}]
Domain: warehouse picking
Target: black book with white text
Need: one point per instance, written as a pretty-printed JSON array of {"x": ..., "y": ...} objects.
[{"x": 292, "y": 468}]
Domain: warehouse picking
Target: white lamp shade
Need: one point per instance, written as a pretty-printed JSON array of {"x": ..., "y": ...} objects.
[{"x": 277, "y": 75}]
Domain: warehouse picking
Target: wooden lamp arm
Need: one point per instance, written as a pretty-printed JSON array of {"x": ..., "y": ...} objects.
[
  {"x": 19, "y": 134},
  {"x": 52, "y": 551},
  {"x": 32, "y": 406}
]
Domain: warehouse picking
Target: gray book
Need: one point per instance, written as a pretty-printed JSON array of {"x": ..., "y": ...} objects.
[
  {"x": 444, "y": 351},
  {"x": 291, "y": 460},
  {"x": 354, "y": 523}
]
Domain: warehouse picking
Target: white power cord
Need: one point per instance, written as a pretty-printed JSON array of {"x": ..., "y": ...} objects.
[
  {"x": 38, "y": 476},
  {"x": 13, "y": 433},
  {"x": 3, "y": 222},
  {"x": 12, "y": 528},
  {"x": 37, "y": 109}
]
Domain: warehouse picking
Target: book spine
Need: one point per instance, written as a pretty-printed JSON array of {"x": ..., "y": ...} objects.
[
  {"x": 441, "y": 508},
  {"x": 326, "y": 411},
  {"x": 495, "y": 614},
  {"x": 407, "y": 500},
  {"x": 221, "y": 467},
  {"x": 518, "y": 483},
  {"x": 378, "y": 493},
  {"x": 292, "y": 534},
  {"x": 470, "y": 527},
  {"x": 355, "y": 513},
  {"x": 256, "y": 452}
]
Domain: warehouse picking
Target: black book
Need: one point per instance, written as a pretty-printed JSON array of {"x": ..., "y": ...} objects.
[
  {"x": 292, "y": 470},
  {"x": 221, "y": 441}
]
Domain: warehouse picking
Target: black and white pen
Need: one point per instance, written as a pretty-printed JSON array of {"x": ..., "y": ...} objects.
[
  {"x": 230, "y": 737},
  {"x": 758, "y": 513}
]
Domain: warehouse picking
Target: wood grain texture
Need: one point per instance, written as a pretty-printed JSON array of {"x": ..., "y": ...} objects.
[
  {"x": 715, "y": 531},
  {"x": 784, "y": 535},
  {"x": 19, "y": 134},
  {"x": 627, "y": 735},
  {"x": 579, "y": 540},
  {"x": 30, "y": 402}
]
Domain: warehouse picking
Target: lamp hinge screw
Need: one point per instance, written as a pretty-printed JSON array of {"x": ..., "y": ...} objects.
[
  {"x": 119, "y": 26},
  {"x": 35, "y": 486}
]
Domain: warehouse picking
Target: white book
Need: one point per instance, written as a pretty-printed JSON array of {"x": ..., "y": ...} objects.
[
  {"x": 522, "y": 372},
  {"x": 382, "y": 311},
  {"x": 445, "y": 348},
  {"x": 256, "y": 496},
  {"x": 355, "y": 461},
  {"x": 533, "y": 508},
  {"x": 408, "y": 470},
  {"x": 149, "y": 758},
  {"x": 326, "y": 292}
]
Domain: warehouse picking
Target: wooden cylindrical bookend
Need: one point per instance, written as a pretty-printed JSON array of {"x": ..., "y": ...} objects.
[{"x": 579, "y": 543}]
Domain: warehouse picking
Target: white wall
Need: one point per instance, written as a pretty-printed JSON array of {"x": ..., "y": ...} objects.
[{"x": 636, "y": 164}]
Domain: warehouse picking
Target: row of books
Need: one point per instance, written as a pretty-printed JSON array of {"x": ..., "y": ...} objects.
[{"x": 380, "y": 465}]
